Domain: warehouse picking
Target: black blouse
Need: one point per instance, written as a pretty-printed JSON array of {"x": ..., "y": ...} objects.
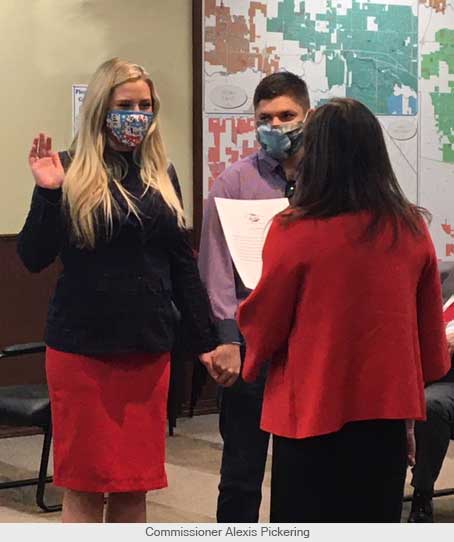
[{"x": 120, "y": 296}]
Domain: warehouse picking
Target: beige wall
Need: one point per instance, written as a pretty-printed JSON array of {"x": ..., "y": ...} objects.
[{"x": 47, "y": 45}]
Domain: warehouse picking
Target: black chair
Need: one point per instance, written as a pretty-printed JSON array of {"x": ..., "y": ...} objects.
[
  {"x": 437, "y": 493},
  {"x": 444, "y": 268},
  {"x": 28, "y": 406}
]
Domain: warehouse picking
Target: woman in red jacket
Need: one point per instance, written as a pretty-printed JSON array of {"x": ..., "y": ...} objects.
[{"x": 348, "y": 310}]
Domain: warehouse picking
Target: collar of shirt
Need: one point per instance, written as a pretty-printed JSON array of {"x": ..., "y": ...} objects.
[
  {"x": 276, "y": 168},
  {"x": 271, "y": 164}
]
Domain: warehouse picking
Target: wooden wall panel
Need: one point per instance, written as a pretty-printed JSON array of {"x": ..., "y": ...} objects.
[{"x": 23, "y": 304}]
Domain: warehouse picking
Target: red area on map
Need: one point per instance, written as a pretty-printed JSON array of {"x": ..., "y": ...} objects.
[
  {"x": 230, "y": 39},
  {"x": 232, "y": 139},
  {"x": 448, "y": 229}
]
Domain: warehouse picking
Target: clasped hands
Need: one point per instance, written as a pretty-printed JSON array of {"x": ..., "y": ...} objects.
[{"x": 223, "y": 364}]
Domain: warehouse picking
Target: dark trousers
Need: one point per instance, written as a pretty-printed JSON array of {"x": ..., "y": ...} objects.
[
  {"x": 433, "y": 435},
  {"x": 244, "y": 454},
  {"x": 355, "y": 475}
]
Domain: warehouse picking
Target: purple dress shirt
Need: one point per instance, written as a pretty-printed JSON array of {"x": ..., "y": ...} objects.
[{"x": 256, "y": 177}]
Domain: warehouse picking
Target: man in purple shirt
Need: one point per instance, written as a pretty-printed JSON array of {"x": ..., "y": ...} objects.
[{"x": 281, "y": 104}]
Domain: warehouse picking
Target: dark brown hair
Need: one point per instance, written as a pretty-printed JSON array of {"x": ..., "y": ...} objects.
[
  {"x": 282, "y": 84},
  {"x": 346, "y": 168}
]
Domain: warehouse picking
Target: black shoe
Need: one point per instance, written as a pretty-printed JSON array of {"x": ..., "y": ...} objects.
[{"x": 421, "y": 508}]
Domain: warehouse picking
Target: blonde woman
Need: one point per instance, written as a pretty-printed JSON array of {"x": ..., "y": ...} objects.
[{"x": 109, "y": 209}]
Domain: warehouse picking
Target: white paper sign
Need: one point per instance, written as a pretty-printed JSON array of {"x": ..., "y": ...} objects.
[
  {"x": 245, "y": 224},
  {"x": 78, "y": 95}
]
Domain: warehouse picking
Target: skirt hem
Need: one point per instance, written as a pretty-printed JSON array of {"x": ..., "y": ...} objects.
[{"x": 113, "y": 487}]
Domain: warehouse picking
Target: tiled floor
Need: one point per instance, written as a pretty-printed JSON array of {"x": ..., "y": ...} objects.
[{"x": 193, "y": 458}]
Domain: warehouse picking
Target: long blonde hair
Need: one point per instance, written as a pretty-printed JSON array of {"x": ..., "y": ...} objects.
[{"x": 86, "y": 190}]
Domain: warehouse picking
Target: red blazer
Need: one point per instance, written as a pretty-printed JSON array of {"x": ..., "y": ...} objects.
[{"x": 353, "y": 328}]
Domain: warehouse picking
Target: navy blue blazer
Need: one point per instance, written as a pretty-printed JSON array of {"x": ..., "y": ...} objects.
[{"x": 119, "y": 297}]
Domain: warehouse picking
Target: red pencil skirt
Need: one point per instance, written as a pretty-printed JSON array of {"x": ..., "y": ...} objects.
[{"x": 109, "y": 420}]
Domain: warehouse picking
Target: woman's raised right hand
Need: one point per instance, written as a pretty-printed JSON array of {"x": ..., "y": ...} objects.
[{"x": 45, "y": 164}]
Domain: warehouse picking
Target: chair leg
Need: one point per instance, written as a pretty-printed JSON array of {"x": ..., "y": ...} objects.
[
  {"x": 437, "y": 493},
  {"x": 171, "y": 427},
  {"x": 42, "y": 477},
  {"x": 443, "y": 492},
  {"x": 194, "y": 391}
]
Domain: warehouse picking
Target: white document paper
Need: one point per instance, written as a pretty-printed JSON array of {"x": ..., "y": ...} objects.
[
  {"x": 245, "y": 224},
  {"x": 78, "y": 95}
]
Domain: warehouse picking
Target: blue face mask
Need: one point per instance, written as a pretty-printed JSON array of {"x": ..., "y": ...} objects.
[
  {"x": 281, "y": 142},
  {"x": 128, "y": 128}
]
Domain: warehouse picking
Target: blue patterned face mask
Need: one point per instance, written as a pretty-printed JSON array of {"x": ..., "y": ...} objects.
[
  {"x": 281, "y": 142},
  {"x": 129, "y": 128}
]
